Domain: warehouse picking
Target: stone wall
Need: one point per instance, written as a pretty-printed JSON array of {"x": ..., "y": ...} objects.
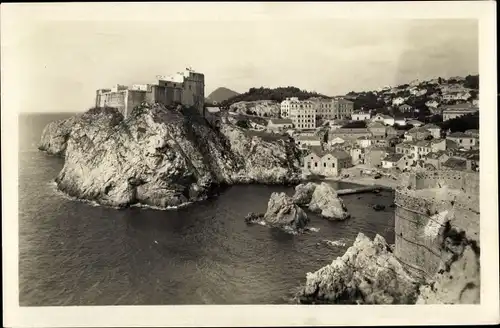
[{"x": 421, "y": 217}]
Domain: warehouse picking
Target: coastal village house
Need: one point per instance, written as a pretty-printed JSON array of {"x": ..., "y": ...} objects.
[
  {"x": 417, "y": 133},
  {"x": 385, "y": 119},
  {"x": 377, "y": 129},
  {"x": 454, "y": 111},
  {"x": 400, "y": 121},
  {"x": 349, "y": 133},
  {"x": 443, "y": 144},
  {"x": 360, "y": 116},
  {"x": 304, "y": 141},
  {"x": 374, "y": 155},
  {"x": 357, "y": 155},
  {"x": 436, "y": 159},
  {"x": 434, "y": 130},
  {"x": 336, "y": 141},
  {"x": 405, "y": 108},
  {"x": 391, "y": 160},
  {"x": 186, "y": 88},
  {"x": 415, "y": 123},
  {"x": 472, "y": 133},
  {"x": 329, "y": 163},
  {"x": 391, "y": 132},
  {"x": 279, "y": 124},
  {"x": 364, "y": 142},
  {"x": 462, "y": 140}
]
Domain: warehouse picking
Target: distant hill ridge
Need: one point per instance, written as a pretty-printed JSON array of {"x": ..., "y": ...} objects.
[{"x": 220, "y": 94}]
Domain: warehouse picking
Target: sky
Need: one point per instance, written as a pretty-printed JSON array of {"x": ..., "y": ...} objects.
[{"x": 62, "y": 59}]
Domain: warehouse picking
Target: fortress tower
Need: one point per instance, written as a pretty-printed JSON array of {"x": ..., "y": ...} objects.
[{"x": 186, "y": 88}]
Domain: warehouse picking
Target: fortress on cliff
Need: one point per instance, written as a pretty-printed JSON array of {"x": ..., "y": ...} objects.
[
  {"x": 186, "y": 88},
  {"x": 431, "y": 207}
]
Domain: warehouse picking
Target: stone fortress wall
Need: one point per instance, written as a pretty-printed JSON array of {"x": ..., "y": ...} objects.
[
  {"x": 186, "y": 88},
  {"x": 424, "y": 203}
]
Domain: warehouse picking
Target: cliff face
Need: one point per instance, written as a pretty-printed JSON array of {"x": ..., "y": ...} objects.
[
  {"x": 161, "y": 157},
  {"x": 268, "y": 108}
]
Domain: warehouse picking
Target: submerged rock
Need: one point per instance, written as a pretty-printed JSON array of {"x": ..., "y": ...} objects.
[
  {"x": 161, "y": 156},
  {"x": 368, "y": 273},
  {"x": 253, "y": 217},
  {"x": 378, "y": 207},
  {"x": 327, "y": 203},
  {"x": 282, "y": 212}
]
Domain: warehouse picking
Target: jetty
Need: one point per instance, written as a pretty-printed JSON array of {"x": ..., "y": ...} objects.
[{"x": 363, "y": 189}]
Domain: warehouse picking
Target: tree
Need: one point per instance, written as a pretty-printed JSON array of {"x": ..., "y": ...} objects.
[
  {"x": 462, "y": 123},
  {"x": 472, "y": 82},
  {"x": 243, "y": 124}
]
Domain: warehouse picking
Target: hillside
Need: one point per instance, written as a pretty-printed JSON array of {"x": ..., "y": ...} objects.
[
  {"x": 219, "y": 95},
  {"x": 423, "y": 97},
  {"x": 275, "y": 94}
]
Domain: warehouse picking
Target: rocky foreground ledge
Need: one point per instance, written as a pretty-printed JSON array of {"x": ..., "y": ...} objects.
[
  {"x": 369, "y": 273},
  {"x": 160, "y": 156}
]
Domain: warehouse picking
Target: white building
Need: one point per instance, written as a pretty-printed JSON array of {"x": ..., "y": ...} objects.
[
  {"x": 304, "y": 141},
  {"x": 360, "y": 116},
  {"x": 286, "y": 106},
  {"x": 463, "y": 140},
  {"x": 454, "y": 111},
  {"x": 385, "y": 119},
  {"x": 391, "y": 160},
  {"x": 279, "y": 123},
  {"x": 364, "y": 142}
]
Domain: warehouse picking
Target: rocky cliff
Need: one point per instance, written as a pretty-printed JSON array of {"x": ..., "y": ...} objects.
[
  {"x": 161, "y": 156},
  {"x": 268, "y": 108}
]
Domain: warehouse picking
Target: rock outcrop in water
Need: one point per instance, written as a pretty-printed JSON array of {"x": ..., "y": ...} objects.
[
  {"x": 160, "y": 156},
  {"x": 368, "y": 273},
  {"x": 281, "y": 213},
  {"x": 322, "y": 199}
]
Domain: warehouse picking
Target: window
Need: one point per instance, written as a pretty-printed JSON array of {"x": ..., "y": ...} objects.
[
  {"x": 324, "y": 164},
  {"x": 316, "y": 164},
  {"x": 308, "y": 165}
]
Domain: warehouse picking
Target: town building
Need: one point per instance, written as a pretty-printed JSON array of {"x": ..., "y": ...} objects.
[
  {"x": 349, "y": 134},
  {"x": 434, "y": 130},
  {"x": 456, "y": 95},
  {"x": 405, "y": 108},
  {"x": 458, "y": 110},
  {"x": 336, "y": 141},
  {"x": 473, "y": 133},
  {"x": 186, "y": 88},
  {"x": 391, "y": 132},
  {"x": 303, "y": 114},
  {"x": 304, "y": 141},
  {"x": 329, "y": 163},
  {"x": 443, "y": 145},
  {"x": 374, "y": 155},
  {"x": 357, "y": 155},
  {"x": 377, "y": 129},
  {"x": 415, "y": 123},
  {"x": 436, "y": 159},
  {"x": 400, "y": 121},
  {"x": 385, "y": 119},
  {"x": 286, "y": 105},
  {"x": 417, "y": 133},
  {"x": 463, "y": 140},
  {"x": 364, "y": 142},
  {"x": 279, "y": 124},
  {"x": 360, "y": 116},
  {"x": 391, "y": 160}
]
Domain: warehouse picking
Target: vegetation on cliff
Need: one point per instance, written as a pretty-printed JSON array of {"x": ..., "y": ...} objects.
[{"x": 276, "y": 94}]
